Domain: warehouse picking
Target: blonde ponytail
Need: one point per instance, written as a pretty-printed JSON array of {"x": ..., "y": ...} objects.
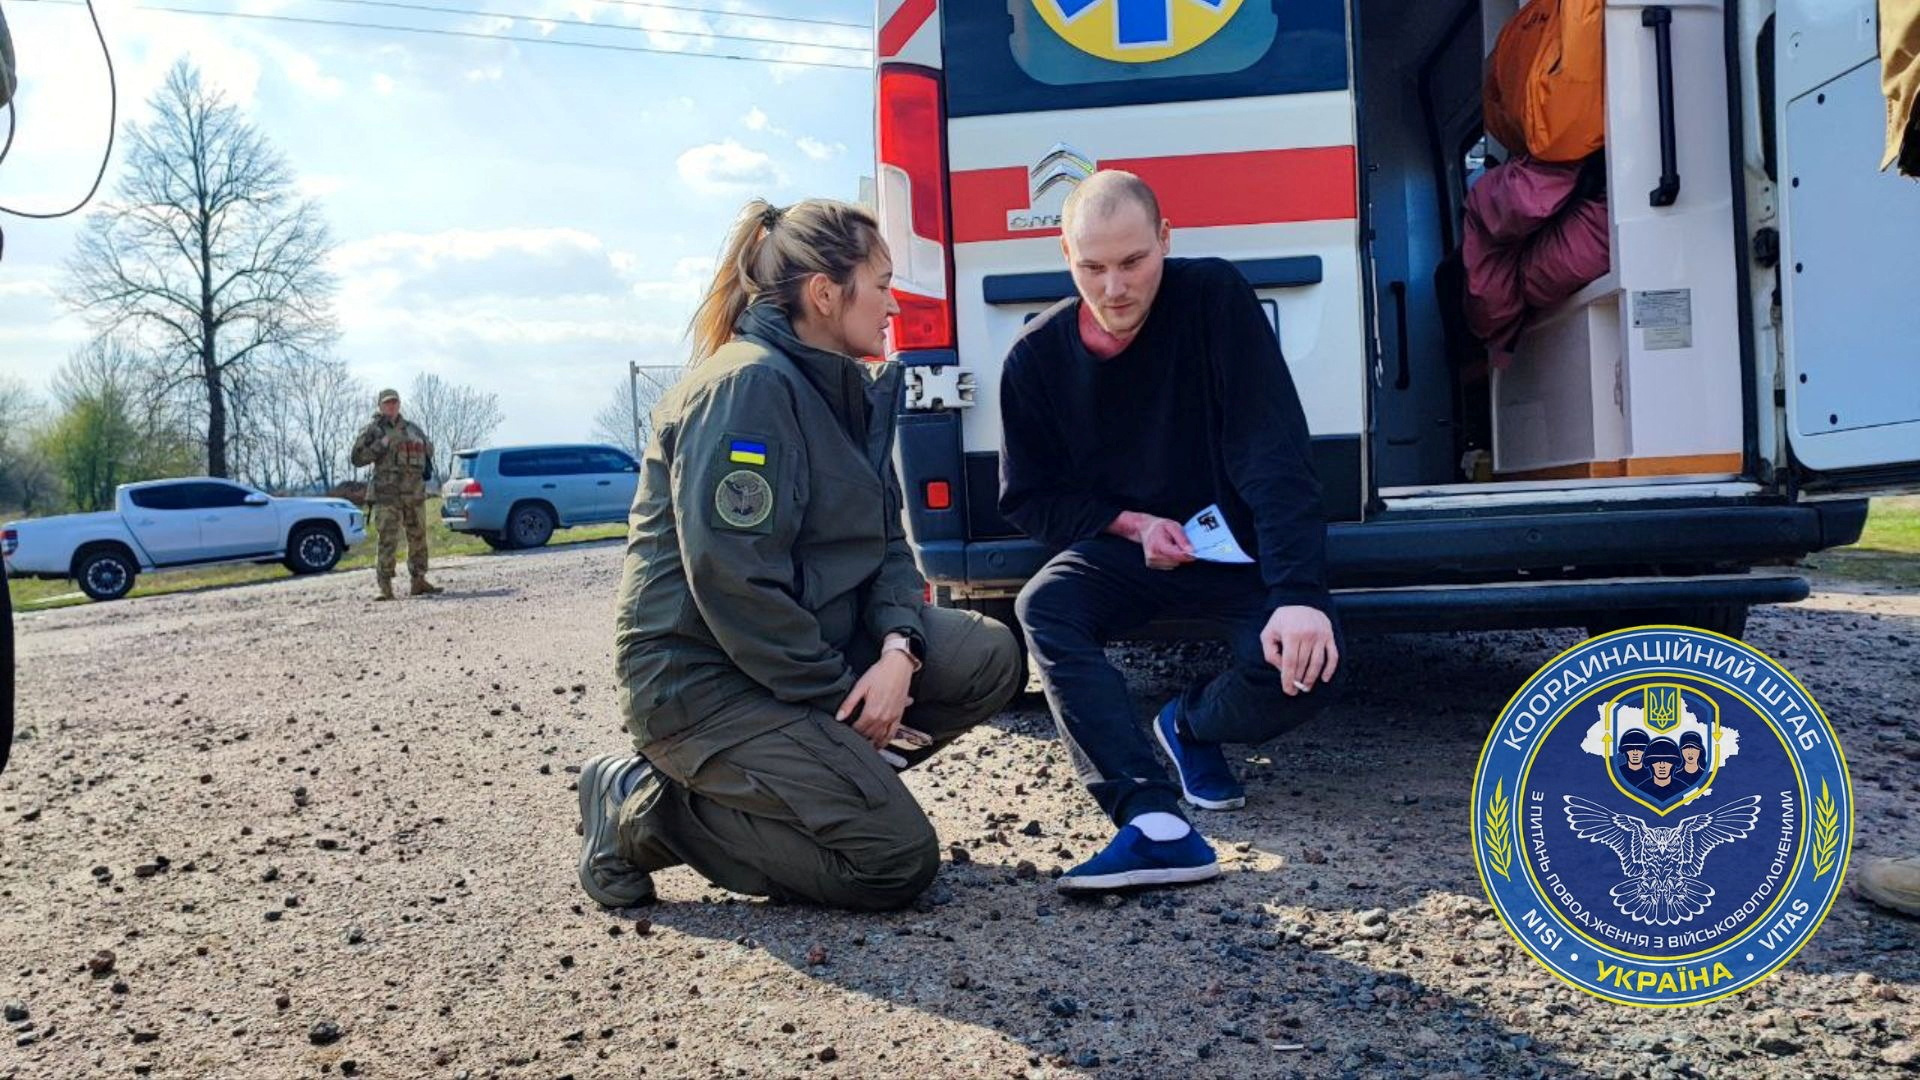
[{"x": 770, "y": 254}]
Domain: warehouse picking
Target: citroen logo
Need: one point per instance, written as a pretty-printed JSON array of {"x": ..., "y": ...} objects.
[{"x": 1061, "y": 165}]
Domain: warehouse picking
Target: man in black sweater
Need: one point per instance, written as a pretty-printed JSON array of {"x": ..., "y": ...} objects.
[{"x": 1157, "y": 394}]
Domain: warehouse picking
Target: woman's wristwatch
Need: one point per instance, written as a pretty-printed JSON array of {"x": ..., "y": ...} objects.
[{"x": 903, "y": 643}]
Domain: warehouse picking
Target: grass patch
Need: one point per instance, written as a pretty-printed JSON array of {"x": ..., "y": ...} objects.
[
  {"x": 1889, "y": 548},
  {"x": 34, "y": 595}
]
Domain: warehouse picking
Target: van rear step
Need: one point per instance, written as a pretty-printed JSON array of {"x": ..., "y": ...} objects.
[
  {"x": 1601, "y": 539},
  {"x": 1517, "y": 605},
  {"x": 1594, "y": 603}
]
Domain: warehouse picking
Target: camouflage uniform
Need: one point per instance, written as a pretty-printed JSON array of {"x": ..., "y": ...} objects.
[{"x": 399, "y": 452}]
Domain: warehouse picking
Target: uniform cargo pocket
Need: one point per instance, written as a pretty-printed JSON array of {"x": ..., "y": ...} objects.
[{"x": 845, "y": 756}]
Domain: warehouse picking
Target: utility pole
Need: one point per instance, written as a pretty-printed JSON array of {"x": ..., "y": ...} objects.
[
  {"x": 633, "y": 388},
  {"x": 659, "y": 377}
]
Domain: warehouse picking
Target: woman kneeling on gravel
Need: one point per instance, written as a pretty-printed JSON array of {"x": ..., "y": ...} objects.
[{"x": 773, "y": 631}]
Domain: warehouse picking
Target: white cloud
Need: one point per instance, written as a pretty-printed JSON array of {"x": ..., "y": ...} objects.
[
  {"x": 441, "y": 293},
  {"x": 303, "y": 71},
  {"x": 383, "y": 84},
  {"x": 427, "y": 250},
  {"x": 486, "y": 74},
  {"x": 682, "y": 287},
  {"x": 817, "y": 150},
  {"x": 727, "y": 166}
]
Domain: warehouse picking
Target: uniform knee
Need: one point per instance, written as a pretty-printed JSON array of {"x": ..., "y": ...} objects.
[{"x": 890, "y": 879}]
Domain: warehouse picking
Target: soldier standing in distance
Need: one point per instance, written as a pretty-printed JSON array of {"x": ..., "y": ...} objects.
[{"x": 399, "y": 453}]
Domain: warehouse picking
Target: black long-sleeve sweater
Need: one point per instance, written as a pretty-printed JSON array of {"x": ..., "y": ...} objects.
[{"x": 1198, "y": 409}]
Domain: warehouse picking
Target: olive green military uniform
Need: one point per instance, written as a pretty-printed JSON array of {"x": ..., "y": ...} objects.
[
  {"x": 399, "y": 452},
  {"x": 766, "y": 562}
]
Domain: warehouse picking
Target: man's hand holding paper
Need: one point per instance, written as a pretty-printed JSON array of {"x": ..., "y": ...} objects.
[{"x": 1211, "y": 540}]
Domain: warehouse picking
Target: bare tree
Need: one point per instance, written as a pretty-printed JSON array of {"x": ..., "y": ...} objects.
[
  {"x": 455, "y": 417},
  {"x": 206, "y": 257},
  {"x": 329, "y": 407},
  {"x": 626, "y": 420},
  {"x": 263, "y": 434}
]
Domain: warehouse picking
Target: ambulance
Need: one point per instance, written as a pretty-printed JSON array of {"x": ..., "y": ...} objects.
[{"x": 1664, "y": 446}]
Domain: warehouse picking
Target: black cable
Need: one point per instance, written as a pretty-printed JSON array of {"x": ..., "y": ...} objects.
[
  {"x": 113, "y": 120},
  {"x": 737, "y": 14},
  {"x": 347, "y": 24},
  {"x": 438, "y": 10},
  {"x": 13, "y": 123}
]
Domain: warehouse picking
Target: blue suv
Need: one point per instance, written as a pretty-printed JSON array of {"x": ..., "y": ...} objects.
[{"x": 515, "y": 496}]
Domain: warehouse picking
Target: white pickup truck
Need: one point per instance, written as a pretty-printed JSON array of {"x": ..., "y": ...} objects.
[{"x": 171, "y": 524}]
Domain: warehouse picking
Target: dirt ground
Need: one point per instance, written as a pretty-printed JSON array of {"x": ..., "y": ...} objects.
[{"x": 283, "y": 831}]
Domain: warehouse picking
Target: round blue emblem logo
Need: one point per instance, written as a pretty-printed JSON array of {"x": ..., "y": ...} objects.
[{"x": 1662, "y": 816}]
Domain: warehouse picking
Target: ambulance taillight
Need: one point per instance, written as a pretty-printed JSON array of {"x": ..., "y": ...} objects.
[{"x": 913, "y": 206}]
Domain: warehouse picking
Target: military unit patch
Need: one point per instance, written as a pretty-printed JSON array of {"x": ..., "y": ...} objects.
[{"x": 743, "y": 499}]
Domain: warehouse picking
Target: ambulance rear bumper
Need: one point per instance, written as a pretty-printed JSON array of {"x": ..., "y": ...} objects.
[{"x": 1573, "y": 556}]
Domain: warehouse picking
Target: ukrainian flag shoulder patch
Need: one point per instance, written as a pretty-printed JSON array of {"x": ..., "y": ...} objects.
[{"x": 743, "y": 452}]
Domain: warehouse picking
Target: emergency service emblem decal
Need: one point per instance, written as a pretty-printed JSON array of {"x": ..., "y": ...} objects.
[
  {"x": 1662, "y": 816},
  {"x": 1136, "y": 31}
]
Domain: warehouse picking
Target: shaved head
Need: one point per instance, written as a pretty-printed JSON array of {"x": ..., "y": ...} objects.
[
  {"x": 1116, "y": 245},
  {"x": 1105, "y": 193}
]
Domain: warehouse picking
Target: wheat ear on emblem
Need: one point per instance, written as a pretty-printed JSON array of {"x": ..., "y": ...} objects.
[
  {"x": 1499, "y": 853},
  {"x": 1826, "y": 831}
]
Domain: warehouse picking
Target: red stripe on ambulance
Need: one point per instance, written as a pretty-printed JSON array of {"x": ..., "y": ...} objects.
[
  {"x": 900, "y": 28},
  {"x": 1248, "y": 187}
]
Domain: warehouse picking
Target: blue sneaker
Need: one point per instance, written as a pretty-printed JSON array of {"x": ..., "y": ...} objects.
[
  {"x": 1131, "y": 859},
  {"x": 1205, "y": 777}
]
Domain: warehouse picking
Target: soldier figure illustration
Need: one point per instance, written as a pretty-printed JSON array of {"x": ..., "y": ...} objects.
[
  {"x": 1663, "y": 757},
  {"x": 1633, "y": 752},
  {"x": 1693, "y": 765},
  {"x": 401, "y": 456}
]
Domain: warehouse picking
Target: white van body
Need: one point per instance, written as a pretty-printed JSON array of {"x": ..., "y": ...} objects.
[{"x": 1714, "y": 406}]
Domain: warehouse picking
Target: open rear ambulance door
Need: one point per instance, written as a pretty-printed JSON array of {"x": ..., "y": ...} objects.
[{"x": 1849, "y": 257}]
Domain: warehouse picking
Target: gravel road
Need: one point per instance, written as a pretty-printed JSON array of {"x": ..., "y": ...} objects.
[{"x": 283, "y": 831}]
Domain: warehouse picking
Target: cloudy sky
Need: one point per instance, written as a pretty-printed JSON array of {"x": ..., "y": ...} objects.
[{"x": 525, "y": 218}]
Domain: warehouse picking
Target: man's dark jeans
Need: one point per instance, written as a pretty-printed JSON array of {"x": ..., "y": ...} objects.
[{"x": 1100, "y": 589}]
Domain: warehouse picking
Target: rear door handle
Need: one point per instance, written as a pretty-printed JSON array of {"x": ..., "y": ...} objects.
[
  {"x": 549, "y": 487},
  {"x": 603, "y": 483},
  {"x": 1660, "y": 21}
]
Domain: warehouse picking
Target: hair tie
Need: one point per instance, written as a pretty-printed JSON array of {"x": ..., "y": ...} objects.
[{"x": 770, "y": 217}]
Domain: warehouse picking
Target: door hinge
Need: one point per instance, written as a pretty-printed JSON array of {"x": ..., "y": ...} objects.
[{"x": 939, "y": 387}]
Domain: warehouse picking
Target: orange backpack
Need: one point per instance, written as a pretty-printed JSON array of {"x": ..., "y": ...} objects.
[{"x": 1546, "y": 84}]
